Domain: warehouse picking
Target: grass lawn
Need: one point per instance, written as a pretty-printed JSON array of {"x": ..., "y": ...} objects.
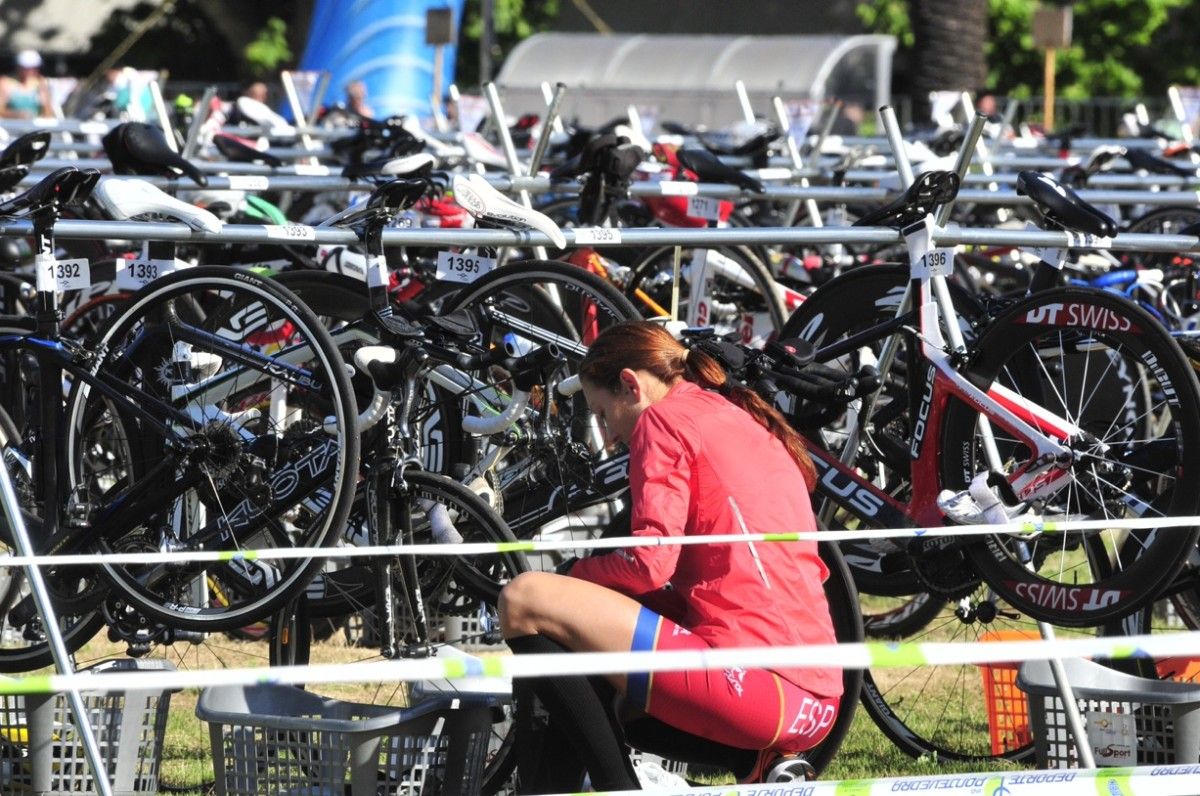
[{"x": 187, "y": 760}]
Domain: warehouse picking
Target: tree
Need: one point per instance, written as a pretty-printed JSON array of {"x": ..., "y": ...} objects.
[
  {"x": 948, "y": 54},
  {"x": 512, "y": 21},
  {"x": 1119, "y": 47}
]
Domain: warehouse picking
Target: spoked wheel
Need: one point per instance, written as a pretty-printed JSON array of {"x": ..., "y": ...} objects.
[
  {"x": 1123, "y": 399},
  {"x": 726, "y": 288},
  {"x": 943, "y": 711},
  {"x": 242, "y": 414}
]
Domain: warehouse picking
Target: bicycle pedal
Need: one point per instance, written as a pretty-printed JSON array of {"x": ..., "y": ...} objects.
[{"x": 791, "y": 769}]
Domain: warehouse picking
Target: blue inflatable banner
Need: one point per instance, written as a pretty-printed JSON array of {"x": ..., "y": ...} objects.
[{"x": 382, "y": 44}]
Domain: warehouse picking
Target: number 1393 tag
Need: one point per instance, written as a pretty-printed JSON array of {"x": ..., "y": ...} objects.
[
  {"x": 136, "y": 274},
  {"x": 465, "y": 268},
  {"x": 59, "y": 276}
]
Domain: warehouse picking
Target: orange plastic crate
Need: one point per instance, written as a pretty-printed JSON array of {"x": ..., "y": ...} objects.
[{"x": 1007, "y": 708}]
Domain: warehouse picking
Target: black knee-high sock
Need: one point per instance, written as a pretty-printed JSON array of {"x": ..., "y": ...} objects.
[{"x": 580, "y": 716}]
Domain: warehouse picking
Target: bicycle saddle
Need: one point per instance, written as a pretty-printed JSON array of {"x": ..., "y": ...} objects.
[
  {"x": 418, "y": 165},
  {"x": 709, "y": 168},
  {"x": 239, "y": 151},
  {"x": 26, "y": 150},
  {"x": 125, "y": 198},
  {"x": 383, "y": 204},
  {"x": 1062, "y": 206},
  {"x": 137, "y": 148},
  {"x": 59, "y": 188},
  {"x": 929, "y": 189},
  {"x": 585, "y": 161},
  {"x": 1142, "y": 160},
  {"x": 483, "y": 201}
]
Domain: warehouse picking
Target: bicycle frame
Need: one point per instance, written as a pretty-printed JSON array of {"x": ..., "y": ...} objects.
[{"x": 1043, "y": 432}]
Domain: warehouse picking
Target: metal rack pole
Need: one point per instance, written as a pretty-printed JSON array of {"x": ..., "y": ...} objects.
[
  {"x": 62, "y": 658},
  {"x": 510, "y": 152}
]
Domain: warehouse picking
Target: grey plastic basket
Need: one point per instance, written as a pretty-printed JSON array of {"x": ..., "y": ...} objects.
[
  {"x": 278, "y": 739},
  {"x": 1129, "y": 720},
  {"x": 41, "y": 754}
]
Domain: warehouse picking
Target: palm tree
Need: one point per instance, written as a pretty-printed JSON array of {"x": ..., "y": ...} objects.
[{"x": 948, "y": 48}]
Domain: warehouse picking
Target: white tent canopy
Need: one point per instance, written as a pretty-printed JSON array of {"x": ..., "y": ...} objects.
[{"x": 691, "y": 78}]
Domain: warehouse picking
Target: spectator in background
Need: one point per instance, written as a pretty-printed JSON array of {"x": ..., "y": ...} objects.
[
  {"x": 25, "y": 94},
  {"x": 256, "y": 91},
  {"x": 356, "y": 100}
]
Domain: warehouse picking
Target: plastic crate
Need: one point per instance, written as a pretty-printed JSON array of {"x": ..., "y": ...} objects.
[
  {"x": 1128, "y": 720},
  {"x": 41, "y": 753},
  {"x": 1007, "y": 707},
  {"x": 279, "y": 739}
]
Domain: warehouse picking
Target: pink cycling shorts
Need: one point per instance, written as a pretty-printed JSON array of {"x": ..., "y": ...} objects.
[{"x": 742, "y": 708}]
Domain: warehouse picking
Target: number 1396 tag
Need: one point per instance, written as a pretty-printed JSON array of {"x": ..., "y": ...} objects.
[
  {"x": 62, "y": 275},
  {"x": 465, "y": 268},
  {"x": 939, "y": 262}
]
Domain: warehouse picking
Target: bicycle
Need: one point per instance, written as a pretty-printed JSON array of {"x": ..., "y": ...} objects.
[
  {"x": 214, "y": 413},
  {"x": 1029, "y": 373}
]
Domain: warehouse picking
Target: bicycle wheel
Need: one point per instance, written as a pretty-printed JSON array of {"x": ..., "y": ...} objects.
[
  {"x": 342, "y": 305},
  {"x": 943, "y": 711},
  {"x": 726, "y": 288},
  {"x": 267, "y": 460},
  {"x": 556, "y": 447},
  {"x": 848, "y": 628},
  {"x": 1129, "y": 396},
  {"x": 23, "y": 644}
]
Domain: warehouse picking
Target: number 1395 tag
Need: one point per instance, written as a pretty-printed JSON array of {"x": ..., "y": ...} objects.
[
  {"x": 59, "y": 276},
  {"x": 465, "y": 268}
]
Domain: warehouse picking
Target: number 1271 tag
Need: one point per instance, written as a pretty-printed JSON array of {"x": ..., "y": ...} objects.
[
  {"x": 59, "y": 276},
  {"x": 465, "y": 268}
]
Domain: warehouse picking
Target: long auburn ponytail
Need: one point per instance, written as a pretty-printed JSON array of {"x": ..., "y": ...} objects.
[{"x": 641, "y": 345}]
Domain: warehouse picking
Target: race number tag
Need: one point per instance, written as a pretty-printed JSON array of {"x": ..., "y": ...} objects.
[
  {"x": 677, "y": 188},
  {"x": 242, "y": 182},
  {"x": 597, "y": 236},
  {"x": 62, "y": 275},
  {"x": 938, "y": 262},
  {"x": 290, "y": 232},
  {"x": 1046, "y": 254},
  {"x": 377, "y": 275},
  {"x": 704, "y": 207},
  {"x": 461, "y": 267},
  {"x": 310, "y": 170},
  {"x": 136, "y": 274}
]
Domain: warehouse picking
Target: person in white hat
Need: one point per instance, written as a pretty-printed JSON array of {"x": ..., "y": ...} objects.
[{"x": 26, "y": 93}]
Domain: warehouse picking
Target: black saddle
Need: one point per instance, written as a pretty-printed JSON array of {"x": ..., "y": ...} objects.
[
  {"x": 1142, "y": 160},
  {"x": 371, "y": 168},
  {"x": 929, "y": 189},
  {"x": 137, "y": 148},
  {"x": 710, "y": 169},
  {"x": 238, "y": 151},
  {"x": 19, "y": 155},
  {"x": 384, "y": 203},
  {"x": 1062, "y": 206},
  {"x": 757, "y": 148},
  {"x": 63, "y": 187}
]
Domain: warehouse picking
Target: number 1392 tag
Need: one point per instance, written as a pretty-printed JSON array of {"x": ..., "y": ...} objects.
[
  {"x": 59, "y": 276},
  {"x": 465, "y": 268}
]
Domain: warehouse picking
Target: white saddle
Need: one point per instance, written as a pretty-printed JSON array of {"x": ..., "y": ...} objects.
[
  {"x": 483, "y": 201},
  {"x": 124, "y": 198},
  {"x": 407, "y": 165}
]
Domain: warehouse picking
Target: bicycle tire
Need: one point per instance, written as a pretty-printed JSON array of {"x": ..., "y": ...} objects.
[
  {"x": 1138, "y": 450},
  {"x": 753, "y": 294},
  {"x": 276, "y": 380},
  {"x": 515, "y": 300},
  {"x": 17, "y": 653}
]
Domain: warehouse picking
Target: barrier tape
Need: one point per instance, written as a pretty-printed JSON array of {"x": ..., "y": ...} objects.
[
  {"x": 1180, "y": 780},
  {"x": 467, "y": 668},
  {"x": 1025, "y": 526}
]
